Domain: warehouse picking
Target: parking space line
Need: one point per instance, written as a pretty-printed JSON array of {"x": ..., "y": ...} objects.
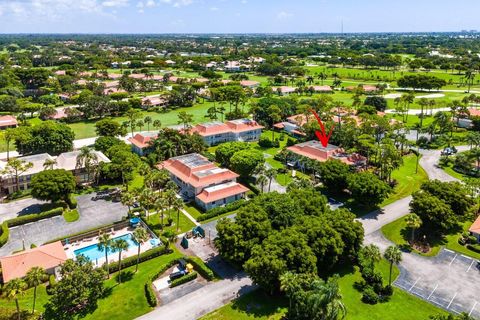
[
  {"x": 448, "y": 250},
  {"x": 453, "y": 259},
  {"x": 473, "y": 308},
  {"x": 432, "y": 291},
  {"x": 467, "y": 257},
  {"x": 452, "y": 300},
  {"x": 413, "y": 285},
  {"x": 471, "y": 264}
]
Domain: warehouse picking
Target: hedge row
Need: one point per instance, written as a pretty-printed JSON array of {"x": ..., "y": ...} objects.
[
  {"x": 221, "y": 210},
  {"x": 186, "y": 278},
  {"x": 201, "y": 267},
  {"x": 5, "y": 233},
  {"x": 131, "y": 261},
  {"x": 150, "y": 295},
  {"x": 34, "y": 217},
  {"x": 163, "y": 269},
  {"x": 474, "y": 247}
]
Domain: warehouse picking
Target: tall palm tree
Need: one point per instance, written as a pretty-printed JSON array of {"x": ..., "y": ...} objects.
[
  {"x": 160, "y": 204},
  {"x": 34, "y": 278},
  {"x": 393, "y": 255},
  {"x": 413, "y": 222},
  {"x": 326, "y": 298},
  {"x": 372, "y": 254},
  {"x": 48, "y": 164},
  {"x": 127, "y": 199},
  {"x": 105, "y": 243},
  {"x": 120, "y": 245},
  {"x": 178, "y": 205},
  {"x": 262, "y": 181},
  {"x": 148, "y": 120},
  {"x": 86, "y": 159},
  {"x": 475, "y": 154},
  {"x": 14, "y": 288},
  {"x": 157, "y": 124},
  {"x": 270, "y": 173},
  {"x": 140, "y": 235}
]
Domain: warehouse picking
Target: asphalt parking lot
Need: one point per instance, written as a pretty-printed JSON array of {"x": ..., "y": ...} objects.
[{"x": 451, "y": 283}]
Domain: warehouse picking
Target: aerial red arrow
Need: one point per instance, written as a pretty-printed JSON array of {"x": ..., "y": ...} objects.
[{"x": 322, "y": 136}]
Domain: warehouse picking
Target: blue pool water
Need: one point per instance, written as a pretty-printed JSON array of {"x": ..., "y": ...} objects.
[{"x": 92, "y": 252}]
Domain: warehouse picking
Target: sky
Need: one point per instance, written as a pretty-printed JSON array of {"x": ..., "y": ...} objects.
[{"x": 236, "y": 16}]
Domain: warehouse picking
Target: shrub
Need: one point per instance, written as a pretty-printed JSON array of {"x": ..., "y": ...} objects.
[
  {"x": 33, "y": 246},
  {"x": 34, "y": 217},
  {"x": 201, "y": 267},
  {"x": 131, "y": 261},
  {"x": 369, "y": 296},
  {"x": 186, "y": 278},
  {"x": 72, "y": 202},
  {"x": 150, "y": 295},
  {"x": 163, "y": 269},
  {"x": 264, "y": 142},
  {"x": 291, "y": 142},
  {"x": 387, "y": 291},
  {"x": 474, "y": 247},
  {"x": 221, "y": 210},
  {"x": 169, "y": 221},
  {"x": 51, "y": 284},
  {"x": 5, "y": 233}
]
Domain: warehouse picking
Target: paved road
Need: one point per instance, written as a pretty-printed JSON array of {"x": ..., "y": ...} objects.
[
  {"x": 17, "y": 208},
  {"x": 429, "y": 162}
]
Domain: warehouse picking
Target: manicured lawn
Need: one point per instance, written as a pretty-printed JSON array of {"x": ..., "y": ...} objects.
[
  {"x": 255, "y": 305},
  {"x": 192, "y": 210},
  {"x": 124, "y": 301},
  {"x": 71, "y": 215},
  {"x": 154, "y": 222},
  {"x": 407, "y": 180},
  {"x": 449, "y": 169},
  {"x": 398, "y": 232},
  {"x": 402, "y": 306}
]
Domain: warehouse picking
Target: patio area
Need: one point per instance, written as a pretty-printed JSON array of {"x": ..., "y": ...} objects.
[{"x": 87, "y": 245}]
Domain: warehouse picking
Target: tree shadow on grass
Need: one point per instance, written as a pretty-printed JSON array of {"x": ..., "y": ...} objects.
[
  {"x": 126, "y": 276},
  {"x": 259, "y": 304}
]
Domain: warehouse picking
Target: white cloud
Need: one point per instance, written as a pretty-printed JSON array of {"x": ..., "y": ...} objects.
[
  {"x": 243, "y": 1},
  {"x": 150, "y": 3},
  {"x": 177, "y": 3},
  {"x": 284, "y": 15},
  {"x": 115, "y": 3},
  {"x": 214, "y": 9}
]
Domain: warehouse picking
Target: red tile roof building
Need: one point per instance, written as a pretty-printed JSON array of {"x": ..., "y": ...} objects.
[
  {"x": 216, "y": 132},
  {"x": 203, "y": 181},
  {"x": 8, "y": 122},
  {"x": 316, "y": 151},
  {"x": 140, "y": 142},
  {"x": 475, "y": 228},
  {"x": 48, "y": 257}
]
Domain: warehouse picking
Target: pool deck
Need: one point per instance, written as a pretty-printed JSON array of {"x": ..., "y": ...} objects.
[{"x": 132, "y": 251}]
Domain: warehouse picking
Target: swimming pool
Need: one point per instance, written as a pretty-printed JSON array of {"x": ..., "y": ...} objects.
[{"x": 93, "y": 253}]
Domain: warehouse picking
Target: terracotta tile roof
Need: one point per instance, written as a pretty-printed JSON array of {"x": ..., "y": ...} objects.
[
  {"x": 300, "y": 119},
  {"x": 322, "y": 88},
  {"x": 315, "y": 150},
  {"x": 249, "y": 83},
  {"x": 196, "y": 170},
  {"x": 242, "y": 125},
  {"x": 114, "y": 76},
  {"x": 283, "y": 89},
  {"x": 111, "y": 84},
  {"x": 279, "y": 125},
  {"x": 154, "y": 100},
  {"x": 210, "y": 128},
  {"x": 141, "y": 140},
  {"x": 60, "y": 72},
  {"x": 47, "y": 256},
  {"x": 475, "y": 227},
  {"x": 137, "y": 76},
  {"x": 474, "y": 112},
  {"x": 7, "y": 121},
  {"x": 221, "y": 191},
  {"x": 366, "y": 88}
]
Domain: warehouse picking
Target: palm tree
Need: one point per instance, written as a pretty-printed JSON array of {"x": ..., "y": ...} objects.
[
  {"x": 327, "y": 300},
  {"x": 148, "y": 121},
  {"x": 475, "y": 154},
  {"x": 14, "y": 288},
  {"x": 413, "y": 222},
  {"x": 48, "y": 164},
  {"x": 127, "y": 199},
  {"x": 157, "y": 124},
  {"x": 105, "y": 243},
  {"x": 120, "y": 245},
  {"x": 178, "y": 205},
  {"x": 262, "y": 181},
  {"x": 371, "y": 253},
  {"x": 288, "y": 284},
  {"x": 393, "y": 255},
  {"x": 469, "y": 77},
  {"x": 86, "y": 159},
  {"x": 160, "y": 204},
  {"x": 270, "y": 173},
  {"x": 34, "y": 278},
  {"x": 140, "y": 235}
]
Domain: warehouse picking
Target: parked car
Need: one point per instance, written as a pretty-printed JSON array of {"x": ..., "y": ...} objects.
[
  {"x": 176, "y": 275},
  {"x": 449, "y": 151}
]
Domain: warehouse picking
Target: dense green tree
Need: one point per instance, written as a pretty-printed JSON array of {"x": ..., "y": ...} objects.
[
  {"x": 78, "y": 291},
  {"x": 282, "y": 251},
  {"x": 334, "y": 174},
  {"x": 53, "y": 185},
  {"x": 225, "y": 151},
  {"x": 453, "y": 194},
  {"x": 379, "y": 102},
  {"x": 15, "y": 168},
  {"x": 109, "y": 128},
  {"x": 245, "y": 162},
  {"x": 47, "y": 137},
  {"x": 367, "y": 189},
  {"x": 436, "y": 215},
  {"x": 106, "y": 142}
]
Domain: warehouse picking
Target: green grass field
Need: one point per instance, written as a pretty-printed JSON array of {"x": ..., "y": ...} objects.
[
  {"x": 402, "y": 306},
  {"x": 124, "y": 301},
  {"x": 407, "y": 180},
  {"x": 154, "y": 222}
]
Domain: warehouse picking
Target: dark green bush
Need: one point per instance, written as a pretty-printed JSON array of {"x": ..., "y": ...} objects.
[
  {"x": 369, "y": 296},
  {"x": 150, "y": 295},
  {"x": 5, "y": 233},
  {"x": 474, "y": 247},
  {"x": 34, "y": 217},
  {"x": 51, "y": 284},
  {"x": 72, "y": 202},
  {"x": 186, "y": 278},
  {"x": 201, "y": 268},
  {"x": 221, "y": 210},
  {"x": 131, "y": 261}
]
